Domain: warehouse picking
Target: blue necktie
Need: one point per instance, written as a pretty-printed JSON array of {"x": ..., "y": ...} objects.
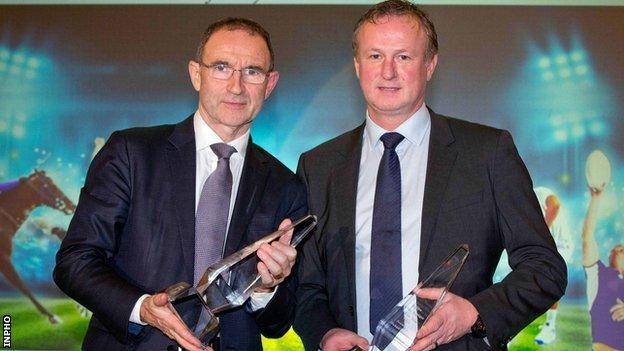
[
  {"x": 213, "y": 211},
  {"x": 385, "y": 256}
]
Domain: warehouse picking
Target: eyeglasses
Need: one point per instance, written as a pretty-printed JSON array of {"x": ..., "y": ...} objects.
[{"x": 223, "y": 71}]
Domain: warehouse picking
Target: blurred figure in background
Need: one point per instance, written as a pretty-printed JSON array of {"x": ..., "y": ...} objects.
[
  {"x": 605, "y": 284},
  {"x": 556, "y": 219}
]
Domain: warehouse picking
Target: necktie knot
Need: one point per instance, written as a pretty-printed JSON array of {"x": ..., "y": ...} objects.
[
  {"x": 223, "y": 150},
  {"x": 391, "y": 140}
]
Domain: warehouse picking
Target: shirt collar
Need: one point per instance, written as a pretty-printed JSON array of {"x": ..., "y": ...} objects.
[
  {"x": 413, "y": 129},
  {"x": 205, "y": 136}
]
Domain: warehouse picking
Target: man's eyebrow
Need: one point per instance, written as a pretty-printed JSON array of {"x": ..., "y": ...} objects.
[
  {"x": 256, "y": 67},
  {"x": 219, "y": 62}
]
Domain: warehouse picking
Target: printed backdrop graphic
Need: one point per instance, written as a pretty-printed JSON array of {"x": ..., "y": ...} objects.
[{"x": 70, "y": 75}]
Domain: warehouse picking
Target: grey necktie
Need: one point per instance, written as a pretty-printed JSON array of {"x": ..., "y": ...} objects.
[{"x": 212, "y": 212}]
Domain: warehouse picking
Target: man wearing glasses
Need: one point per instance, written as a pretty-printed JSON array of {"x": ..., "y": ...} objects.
[{"x": 161, "y": 204}]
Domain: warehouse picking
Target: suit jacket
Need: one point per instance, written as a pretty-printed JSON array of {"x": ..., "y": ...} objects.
[
  {"x": 477, "y": 191},
  {"x": 134, "y": 233}
]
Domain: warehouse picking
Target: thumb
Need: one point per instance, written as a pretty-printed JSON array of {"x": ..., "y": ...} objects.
[
  {"x": 363, "y": 343},
  {"x": 160, "y": 299}
]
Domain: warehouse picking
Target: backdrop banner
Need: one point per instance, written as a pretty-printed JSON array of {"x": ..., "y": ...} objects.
[{"x": 71, "y": 75}]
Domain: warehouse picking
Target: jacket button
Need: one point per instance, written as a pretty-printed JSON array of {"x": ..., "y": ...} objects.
[
  {"x": 351, "y": 310},
  {"x": 172, "y": 348}
]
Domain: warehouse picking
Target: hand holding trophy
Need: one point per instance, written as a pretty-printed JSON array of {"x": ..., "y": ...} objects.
[
  {"x": 397, "y": 330},
  {"x": 227, "y": 284}
]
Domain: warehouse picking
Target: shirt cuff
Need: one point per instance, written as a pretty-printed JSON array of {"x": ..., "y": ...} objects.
[
  {"x": 259, "y": 300},
  {"x": 135, "y": 316}
]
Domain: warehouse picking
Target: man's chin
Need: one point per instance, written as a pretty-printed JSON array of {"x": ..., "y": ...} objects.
[{"x": 390, "y": 110}]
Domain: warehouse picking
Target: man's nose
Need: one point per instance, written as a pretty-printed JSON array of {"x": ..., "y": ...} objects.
[
  {"x": 235, "y": 83},
  {"x": 388, "y": 68}
]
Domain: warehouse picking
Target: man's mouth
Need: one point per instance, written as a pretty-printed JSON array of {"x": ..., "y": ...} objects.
[
  {"x": 235, "y": 104},
  {"x": 389, "y": 89}
]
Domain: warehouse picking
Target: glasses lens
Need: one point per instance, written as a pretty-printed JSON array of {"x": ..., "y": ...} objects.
[
  {"x": 225, "y": 72},
  {"x": 253, "y": 75},
  {"x": 221, "y": 71}
]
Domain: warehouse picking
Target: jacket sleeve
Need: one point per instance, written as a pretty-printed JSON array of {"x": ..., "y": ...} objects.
[
  {"x": 278, "y": 315},
  {"x": 83, "y": 270},
  {"x": 539, "y": 276},
  {"x": 313, "y": 318}
]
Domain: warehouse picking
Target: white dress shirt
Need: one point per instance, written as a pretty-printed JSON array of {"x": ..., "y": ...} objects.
[
  {"x": 206, "y": 160},
  {"x": 206, "y": 163},
  {"x": 412, "y": 152}
]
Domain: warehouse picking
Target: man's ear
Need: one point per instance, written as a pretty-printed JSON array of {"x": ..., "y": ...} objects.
[
  {"x": 431, "y": 66},
  {"x": 195, "y": 74},
  {"x": 356, "y": 64},
  {"x": 273, "y": 77}
]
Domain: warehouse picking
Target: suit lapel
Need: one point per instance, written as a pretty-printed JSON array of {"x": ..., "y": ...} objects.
[
  {"x": 439, "y": 165},
  {"x": 345, "y": 181},
  {"x": 181, "y": 158},
  {"x": 250, "y": 189}
]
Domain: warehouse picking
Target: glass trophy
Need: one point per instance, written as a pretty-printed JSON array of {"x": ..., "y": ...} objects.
[
  {"x": 227, "y": 284},
  {"x": 397, "y": 330}
]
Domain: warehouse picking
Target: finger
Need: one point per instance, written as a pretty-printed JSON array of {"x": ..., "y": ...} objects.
[
  {"x": 424, "y": 344},
  {"x": 615, "y": 308},
  {"x": 286, "y": 238},
  {"x": 354, "y": 339},
  {"x": 265, "y": 275},
  {"x": 184, "y": 333},
  {"x": 285, "y": 223},
  {"x": 186, "y": 344},
  {"x": 285, "y": 249},
  {"x": 275, "y": 261},
  {"x": 618, "y": 315},
  {"x": 417, "y": 288},
  {"x": 429, "y": 293},
  {"x": 423, "y": 348},
  {"x": 433, "y": 324}
]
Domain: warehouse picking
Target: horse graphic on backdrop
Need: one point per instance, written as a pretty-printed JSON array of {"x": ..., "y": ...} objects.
[{"x": 18, "y": 199}]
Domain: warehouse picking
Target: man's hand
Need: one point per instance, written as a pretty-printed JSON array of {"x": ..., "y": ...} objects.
[
  {"x": 276, "y": 260},
  {"x": 342, "y": 340},
  {"x": 449, "y": 322},
  {"x": 158, "y": 312},
  {"x": 617, "y": 311}
]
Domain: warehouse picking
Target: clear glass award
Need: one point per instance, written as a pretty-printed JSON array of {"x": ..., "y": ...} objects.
[
  {"x": 227, "y": 284},
  {"x": 397, "y": 330}
]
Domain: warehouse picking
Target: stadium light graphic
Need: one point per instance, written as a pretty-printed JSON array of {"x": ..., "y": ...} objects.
[
  {"x": 570, "y": 73},
  {"x": 562, "y": 107}
]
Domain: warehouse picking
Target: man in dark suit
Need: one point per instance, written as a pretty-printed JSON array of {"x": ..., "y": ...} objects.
[
  {"x": 400, "y": 192},
  {"x": 157, "y": 204}
]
